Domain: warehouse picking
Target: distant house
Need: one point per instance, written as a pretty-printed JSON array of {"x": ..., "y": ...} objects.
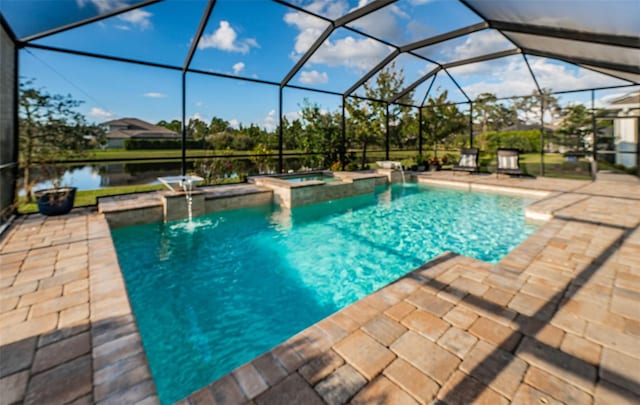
[
  {"x": 132, "y": 128},
  {"x": 626, "y": 126}
]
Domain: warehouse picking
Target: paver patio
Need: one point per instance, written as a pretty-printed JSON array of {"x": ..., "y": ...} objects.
[{"x": 556, "y": 321}]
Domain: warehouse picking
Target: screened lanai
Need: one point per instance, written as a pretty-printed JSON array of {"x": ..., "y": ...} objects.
[{"x": 254, "y": 63}]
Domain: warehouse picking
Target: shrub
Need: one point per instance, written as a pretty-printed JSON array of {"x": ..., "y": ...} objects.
[
  {"x": 156, "y": 144},
  {"x": 525, "y": 141}
]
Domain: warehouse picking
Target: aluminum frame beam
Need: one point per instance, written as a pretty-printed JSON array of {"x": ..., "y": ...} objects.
[
  {"x": 564, "y": 33},
  {"x": 340, "y": 22},
  {"x": 415, "y": 84},
  {"x": 196, "y": 39},
  {"x": 445, "y": 37},
  {"x": 584, "y": 61},
  {"x": 86, "y": 21}
]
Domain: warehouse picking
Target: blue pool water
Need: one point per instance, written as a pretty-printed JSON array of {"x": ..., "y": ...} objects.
[
  {"x": 213, "y": 295},
  {"x": 308, "y": 177}
]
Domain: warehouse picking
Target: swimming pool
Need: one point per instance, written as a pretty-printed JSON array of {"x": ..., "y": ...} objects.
[{"x": 212, "y": 296}]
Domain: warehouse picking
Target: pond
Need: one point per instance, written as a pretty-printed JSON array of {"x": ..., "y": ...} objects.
[{"x": 102, "y": 175}]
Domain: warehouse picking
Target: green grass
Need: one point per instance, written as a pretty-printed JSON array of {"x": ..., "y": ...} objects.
[
  {"x": 90, "y": 197},
  {"x": 114, "y": 154}
]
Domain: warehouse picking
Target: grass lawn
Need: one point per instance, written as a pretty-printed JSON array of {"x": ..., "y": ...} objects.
[
  {"x": 114, "y": 154},
  {"x": 90, "y": 197}
]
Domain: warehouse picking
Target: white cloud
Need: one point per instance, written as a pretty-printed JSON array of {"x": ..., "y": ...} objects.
[
  {"x": 560, "y": 77},
  {"x": 237, "y": 68},
  {"x": 360, "y": 54},
  {"x": 199, "y": 116},
  {"x": 225, "y": 38},
  {"x": 199, "y": 103},
  {"x": 328, "y": 8},
  {"x": 418, "y": 31},
  {"x": 270, "y": 122},
  {"x": 234, "y": 123},
  {"x": 152, "y": 94},
  {"x": 139, "y": 18},
  {"x": 510, "y": 77},
  {"x": 97, "y": 112},
  {"x": 310, "y": 29},
  {"x": 384, "y": 23},
  {"x": 479, "y": 43},
  {"x": 135, "y": 18},
  {"x": 293, "y": 115},
  {"x": 313, "y": 77}
]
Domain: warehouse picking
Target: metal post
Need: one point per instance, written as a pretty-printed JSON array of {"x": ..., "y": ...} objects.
[
  {"x": 541, "y": 134},
  {"x": 420, "y": 131},
  {"x": 638, "y": 147},
  {"x": 16, "y": 120},
  {"x": 594, "y": 161},
  {"x": 280, "y": 134},
  {"x": 184, "y": 124},
  {"x": 471, "y": 124},
  {"x": 387, "y": 129},
  {"x": 343, "y": 150}
]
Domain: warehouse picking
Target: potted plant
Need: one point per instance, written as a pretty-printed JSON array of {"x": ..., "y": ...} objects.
[
  {"x": 421, "y": 163},
  {"x": 55, "y": 201},
  {"x": 51, "y": 130},
  {"x": 435, "y": 164}
]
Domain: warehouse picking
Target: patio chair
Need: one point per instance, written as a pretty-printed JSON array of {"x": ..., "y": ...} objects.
[
  {"x": 509, "y": 162},
  {"x": 468, "y": 161}
]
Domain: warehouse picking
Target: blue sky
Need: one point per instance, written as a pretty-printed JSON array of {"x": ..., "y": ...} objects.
[{"x": 261, "y": 39}]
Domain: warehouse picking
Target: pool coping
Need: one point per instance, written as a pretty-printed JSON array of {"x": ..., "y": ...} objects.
[{"x": 115, "y": 337}]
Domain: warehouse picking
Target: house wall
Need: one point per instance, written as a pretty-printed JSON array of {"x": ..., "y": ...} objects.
[
  {"x": 8, "y": 105},
  {"x": 625, "y": 131},
  {"x": 115, "y": 143}
]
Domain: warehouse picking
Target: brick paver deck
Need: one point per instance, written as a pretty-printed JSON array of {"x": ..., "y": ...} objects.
[{"x": 556, "y": 321}]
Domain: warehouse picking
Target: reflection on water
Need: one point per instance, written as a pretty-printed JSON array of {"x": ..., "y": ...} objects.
[{"x": 96, "y": 176}]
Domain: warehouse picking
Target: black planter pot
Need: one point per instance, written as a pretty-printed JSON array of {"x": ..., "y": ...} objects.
[{"x": 55, "y": 201}]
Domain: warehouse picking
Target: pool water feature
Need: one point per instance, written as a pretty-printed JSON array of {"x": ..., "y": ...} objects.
[{"x": 209, "y": 298}]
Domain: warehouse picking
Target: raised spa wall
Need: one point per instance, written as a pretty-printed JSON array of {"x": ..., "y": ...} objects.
[
  {"x": 294, "y": 194},
  {"x": 143, "y": 208}
]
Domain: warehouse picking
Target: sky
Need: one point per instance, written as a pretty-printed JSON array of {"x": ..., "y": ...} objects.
[{"x": 263, "y": 40}]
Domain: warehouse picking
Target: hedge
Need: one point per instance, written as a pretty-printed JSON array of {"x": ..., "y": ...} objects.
[
  {"x": 138, "y": 144},
  {"x": 525, "y": 141}
]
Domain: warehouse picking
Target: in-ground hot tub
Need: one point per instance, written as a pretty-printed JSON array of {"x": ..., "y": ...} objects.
[
  {"x": 293, "y": 190},
  {"x": 299, "y": 178}
]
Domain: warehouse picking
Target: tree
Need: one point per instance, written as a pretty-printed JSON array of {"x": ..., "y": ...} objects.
[
  {"x": 490, "y": 115},
  {"x": 218, "y": 125},
  {"x": 528, "y": 108},
  {"x": 197, "y": 129},
  {"x": 441, "y": 120},
  {"x": 576, "y": 127},
  {"x": 174, "y": 125},
  {"x": 368, "y": 119},
  {"x": 293, "y": 133},
  {"x": 484, "y": 107},
  {"x": 51, "y": 130},
  {"x": 322, "y": 132}
]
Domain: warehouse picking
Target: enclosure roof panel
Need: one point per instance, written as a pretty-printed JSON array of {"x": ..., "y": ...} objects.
[
  {"x": 153, "y": 36},
  {"x": 619, "y": 17},
  {"x": 338, "y": 45},
  {"x": 30, "y": 18},
  {"x": 407, "y": 21}
]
